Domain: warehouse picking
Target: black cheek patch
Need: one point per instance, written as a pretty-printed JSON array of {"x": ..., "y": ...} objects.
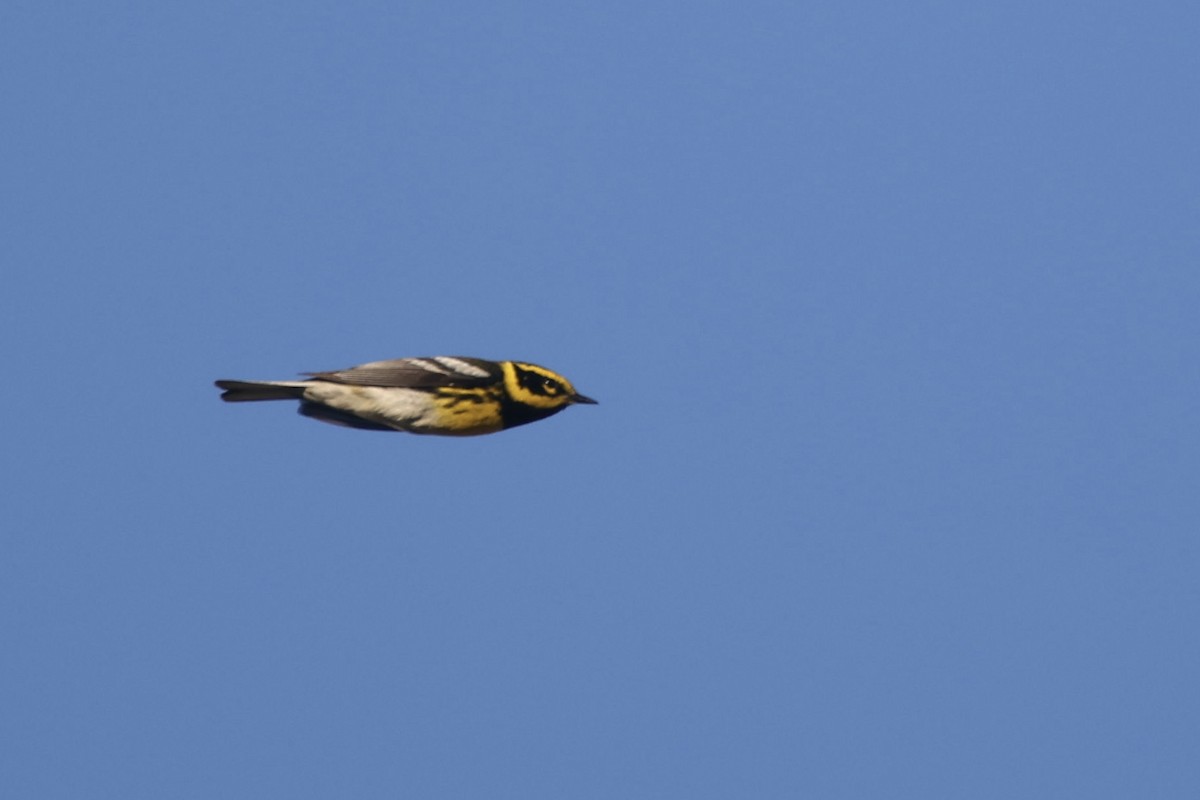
[{"x": 532, "y": 382}]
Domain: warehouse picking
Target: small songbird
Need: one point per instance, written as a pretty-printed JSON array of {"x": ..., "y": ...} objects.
[{"x": 444, "y": 395}]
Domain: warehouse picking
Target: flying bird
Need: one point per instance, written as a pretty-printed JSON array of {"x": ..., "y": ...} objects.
[{"x": 442, "y": 395}]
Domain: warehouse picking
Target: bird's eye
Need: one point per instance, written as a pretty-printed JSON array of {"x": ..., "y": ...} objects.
[{"x": 550, "y": 386}]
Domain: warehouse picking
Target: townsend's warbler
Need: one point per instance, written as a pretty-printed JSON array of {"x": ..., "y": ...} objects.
[{"x": 450, "y": 396}]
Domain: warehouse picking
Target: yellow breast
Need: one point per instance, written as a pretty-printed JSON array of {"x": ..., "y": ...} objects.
[{"x": 467, "y": 412}]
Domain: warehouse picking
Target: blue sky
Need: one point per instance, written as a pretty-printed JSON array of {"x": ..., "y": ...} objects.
[{"x": 890, "y": 310}]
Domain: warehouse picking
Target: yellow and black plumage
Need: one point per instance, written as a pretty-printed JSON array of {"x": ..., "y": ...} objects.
[{"x": 444, "y": 395}]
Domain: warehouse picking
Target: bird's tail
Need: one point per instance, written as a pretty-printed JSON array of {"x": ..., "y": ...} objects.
[{"x": 250, "y": 391}]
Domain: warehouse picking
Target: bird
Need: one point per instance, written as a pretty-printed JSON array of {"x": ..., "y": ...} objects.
[{"x": 439, "y": 395}]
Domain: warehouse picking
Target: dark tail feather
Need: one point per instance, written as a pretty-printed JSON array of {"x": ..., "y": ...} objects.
[{"x": 251, "y": 391}]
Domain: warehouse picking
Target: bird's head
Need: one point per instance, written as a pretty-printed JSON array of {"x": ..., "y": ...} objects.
[{"x": 540, "y": 388}]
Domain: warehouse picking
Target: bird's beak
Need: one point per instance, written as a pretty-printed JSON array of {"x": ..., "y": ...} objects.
[{"x": 587, "y": 401}]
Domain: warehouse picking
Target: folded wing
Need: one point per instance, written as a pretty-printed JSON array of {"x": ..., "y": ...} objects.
[{"x": 416, "y": 373}]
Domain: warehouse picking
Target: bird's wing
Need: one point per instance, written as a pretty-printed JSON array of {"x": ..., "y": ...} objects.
[{"x": 416, "y": 373}]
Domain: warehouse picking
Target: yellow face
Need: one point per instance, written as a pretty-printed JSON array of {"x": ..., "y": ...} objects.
[{"x": 539, "y": 387}]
